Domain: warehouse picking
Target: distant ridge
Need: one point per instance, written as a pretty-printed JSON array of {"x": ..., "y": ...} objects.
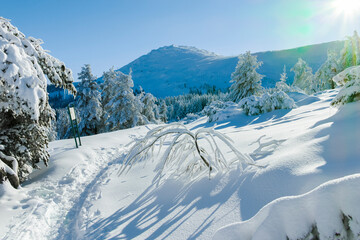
[{"x": 174, "y": 70}]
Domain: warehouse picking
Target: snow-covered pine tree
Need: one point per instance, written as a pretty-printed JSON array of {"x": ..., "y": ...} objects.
[
  {"x": 25, "y": 114},
  {"x": 282, "y": 85},
  {"x": 149, "y": 107},
  {"x": 350, "y": 54},
  {"x": 327, "y": 71},
  {"x": 246, "y": 81},
  {"x": 88, "y": 103},
  {"x": 163, "y": 111},
  {"x": 303, "y": 79},
  {"x": 122, "y": 108},
  {"x": 62, "y": 123}
]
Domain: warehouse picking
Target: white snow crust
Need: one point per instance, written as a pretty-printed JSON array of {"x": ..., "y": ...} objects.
[{"x": 81, "y": 196}]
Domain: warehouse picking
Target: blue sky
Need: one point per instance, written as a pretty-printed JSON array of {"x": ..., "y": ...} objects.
[{"x": 115, "y": 32}]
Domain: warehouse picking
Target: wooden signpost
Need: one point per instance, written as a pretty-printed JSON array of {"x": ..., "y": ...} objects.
[{"x": 74, "y": 125}]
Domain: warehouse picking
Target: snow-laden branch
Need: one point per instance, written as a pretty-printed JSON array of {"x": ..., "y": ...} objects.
[
  {"x": 12, "y": 171},
  {"x": 187, "y": 151}
]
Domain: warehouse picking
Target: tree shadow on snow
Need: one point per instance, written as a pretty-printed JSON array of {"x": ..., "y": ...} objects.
[
  {"x": 176, "y": 198},
  {"x": 341, "y": 148},
  {"x": 242, "y": 120}
]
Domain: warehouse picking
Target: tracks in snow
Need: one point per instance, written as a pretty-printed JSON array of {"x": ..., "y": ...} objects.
[{"x": 51, "y": 210}]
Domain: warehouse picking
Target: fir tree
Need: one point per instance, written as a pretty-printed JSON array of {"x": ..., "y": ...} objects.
[
  {"x": 163, "y": 111},
  {"x": 88, "y": 103},
  {"x": 304, "y": 79},
  {"x": 122, "y": 108},
  {"x": 327, "y": 71},
  {"x": 149, "y": 107},
  {"x": 350, "y": 54},
  {"x": 282, "y": 85},
  {"x": 25, "y": 114},
  {"x": 246, "y": 81}
]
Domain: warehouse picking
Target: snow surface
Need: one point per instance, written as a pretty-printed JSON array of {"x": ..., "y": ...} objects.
[{"x": 81, "y": 196}]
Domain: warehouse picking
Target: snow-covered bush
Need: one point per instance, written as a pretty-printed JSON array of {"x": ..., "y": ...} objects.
[
  {"x": 25, "y": 114},
  {"x": 187, "y": 152},
  {"x": 255, "y": 105},
  {"x": 350, "y": 80},
  {"x": 215, "y": 110},
  {"x": 88, "y": 103},
  {"x": 246, "y": 81},
  {"x": 179, "y": 106},
  {"x": 190, "y": 117}
]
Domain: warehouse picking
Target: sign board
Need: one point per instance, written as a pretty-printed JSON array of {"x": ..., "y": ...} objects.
[
  {"x": 72, "y": 113},
  {"x": 74, "y": 125}
]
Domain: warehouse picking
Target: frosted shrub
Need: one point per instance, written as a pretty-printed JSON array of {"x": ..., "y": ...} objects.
[
  {"x": 186, "y": 152},
  {"x": 350, "y": 80},
  {"x": 215, "y": 109},
  {"x": 255, "y": 105}
]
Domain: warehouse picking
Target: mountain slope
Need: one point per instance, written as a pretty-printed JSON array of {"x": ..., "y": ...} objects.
[{"x": 174, "y": 70}]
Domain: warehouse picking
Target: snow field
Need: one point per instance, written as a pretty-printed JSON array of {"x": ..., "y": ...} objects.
[{"x": 81, "y": 196}]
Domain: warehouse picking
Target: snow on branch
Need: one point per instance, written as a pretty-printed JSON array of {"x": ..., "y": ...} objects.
[
  {"x": 186, "y": 151},
  {"x": 349, "y": 79},
  {"x": 11, "y": 172}
]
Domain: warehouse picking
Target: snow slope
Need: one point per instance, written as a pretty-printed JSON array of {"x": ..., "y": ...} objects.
[{"x": 81, "y": 196}]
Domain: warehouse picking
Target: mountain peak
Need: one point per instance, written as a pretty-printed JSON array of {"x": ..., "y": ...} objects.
[{"x": 181, "y": 49}]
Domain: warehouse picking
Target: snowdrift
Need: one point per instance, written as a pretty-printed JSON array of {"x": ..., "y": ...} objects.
[{"x": 328, "y": 212}]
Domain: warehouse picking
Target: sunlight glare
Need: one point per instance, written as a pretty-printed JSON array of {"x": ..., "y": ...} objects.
[{"x": 348, "y": 8}]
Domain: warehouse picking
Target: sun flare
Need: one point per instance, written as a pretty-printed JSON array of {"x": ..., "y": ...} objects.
[{"x": 348, "y": 8}]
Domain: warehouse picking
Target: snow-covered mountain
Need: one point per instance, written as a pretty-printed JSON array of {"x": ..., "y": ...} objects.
[{"x": 174, "y": 70}]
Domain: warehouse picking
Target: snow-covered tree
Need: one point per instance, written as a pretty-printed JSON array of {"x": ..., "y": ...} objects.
[
  {"x": 149, "y": 107},
  {"x": 122, "y": 108},
  {"x": 350, "y": 54},
  {"x": 63, "y": 123},
  {"x": 246, "y": 81},
  {"x": 88, "y": 103},
  {"x": 350, "y": 80},
  {"x": 327, "y": 71},
  {"x": 25, "y": 114},
  {"x": 282, "y": 85},
  {"x": 163, "y": 111},
  {"x": 303, "y": 79}
]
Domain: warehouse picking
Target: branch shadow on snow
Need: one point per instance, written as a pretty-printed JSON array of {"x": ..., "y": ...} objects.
[{"x": 176, "y": 198}]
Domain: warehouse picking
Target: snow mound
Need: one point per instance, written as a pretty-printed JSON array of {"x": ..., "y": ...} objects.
[
  {"x": 330, "y": 211},
  {"x": 350, "y": 80}
]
